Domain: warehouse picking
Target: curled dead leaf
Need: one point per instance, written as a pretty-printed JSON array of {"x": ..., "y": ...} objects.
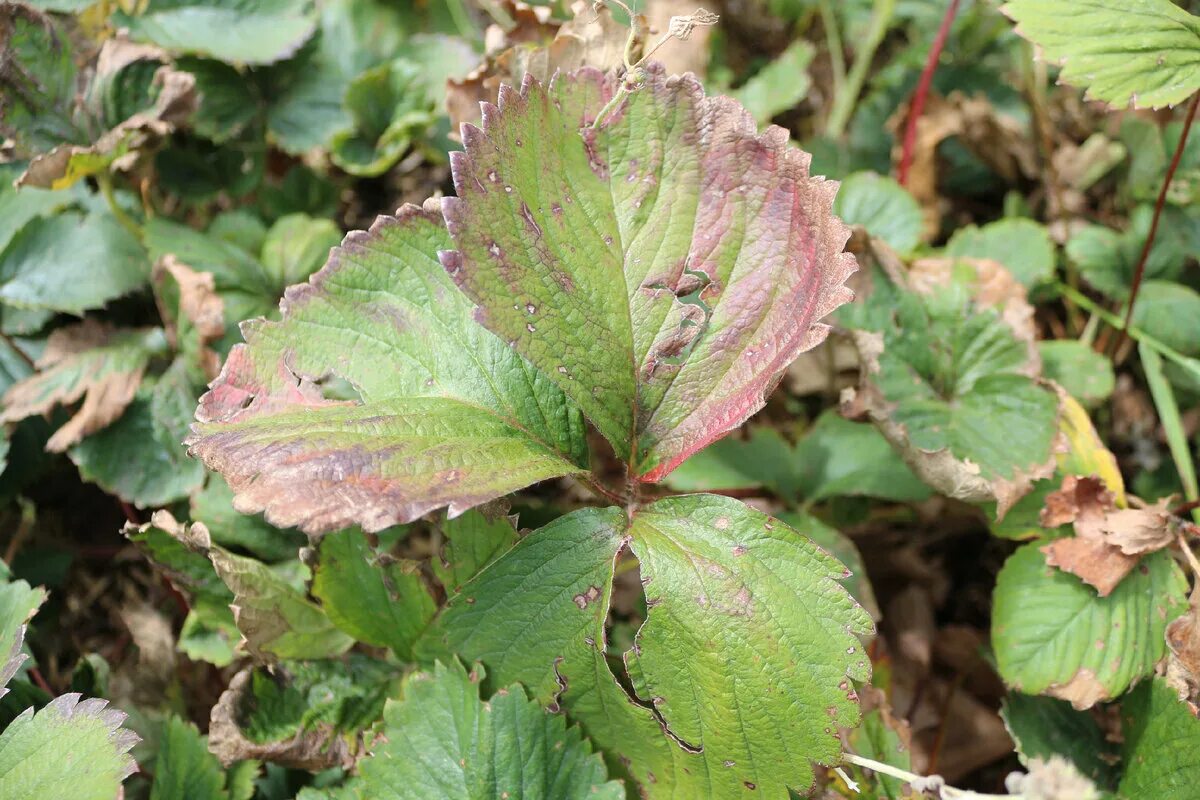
[
  {"x": 1108, "y": 541},
  {"x": 315, "y": 749},
  {"x": 198, "y": 298}
]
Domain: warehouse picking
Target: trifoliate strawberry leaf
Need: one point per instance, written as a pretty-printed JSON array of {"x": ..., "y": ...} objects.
[
  {"x": 372, "y": 597},
  {"x": 90, "y": 752},
  {"x": 135, "y": 99},
  {"x": 1053, "y": 635},
  {"x": 1140, "y": 53},
  {"x": 389, "y": 110},
  {"x": 37, "y": 91},
  {"x": 1162, "y": 744},
  {"x": 655, "y": 258},
  {"x": 91, "y": 361},
  {"x": 18, "y": 603},
  {"x": 1107, "y": 259},
  {"x": 738, "y": 602},
  {"x": 239, "y": 31},
  {"x": 456, "y": 419},
  {"x": 442, "y": 741},
  {"x": 949, "y": 370}
]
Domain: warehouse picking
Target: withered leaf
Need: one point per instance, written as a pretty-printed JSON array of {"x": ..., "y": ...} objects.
[
  {"x": 1108, "y": 541},
  {"x": 91, "y": 360}
]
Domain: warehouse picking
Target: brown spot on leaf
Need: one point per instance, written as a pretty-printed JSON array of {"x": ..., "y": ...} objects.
[
  {"x": 583, "y": 599},
  {"x": 1082, "y": 691}
]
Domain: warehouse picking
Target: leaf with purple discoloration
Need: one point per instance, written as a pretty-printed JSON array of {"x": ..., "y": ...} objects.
[
  {"x": 71, "y": 748},
  {"x": 663, "y": 267},
  {"x": 431, "y": 409}
]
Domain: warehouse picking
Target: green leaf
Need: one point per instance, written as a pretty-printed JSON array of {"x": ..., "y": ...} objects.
[
  {"x": 184, "y": 769},
  {"x": 371, "y": 596},
  {"x": 90, "y": 752},
  {"x": 470, "y": 543},
  {"x": 883, "y": 207},
  {"x": 228, "y": 103},
  {"x": 18, "y": 603},
  {"x": 1043, "y": 727},
  {"x": 835, "y": 457},
  {"x": 1085, "y": 374},
  {"x": 649, "y": 269},
  {"x": 91, "y": 361},
  {"x": 42, "y": 267},
  {"x": 732, "y": 597},
  {"x": 838, "y": 457},
  {"x": 457, "y": 419},
  {"x": 877, "y": 738},
  {"x": 296, "y": 246},
  {"x": 302, "y": 714},
  {"x": 950, "y": 380},
  {"x": 1140, "y": 53},
  {"x": 442, "y": 741},
  {"x": 275, "y": 618},
  {"x": 389, "y": 108},
  {"x": 240, "y": 31},
  {"x": 37, "y": 93},
  {"x": 1170, "y": 312},
  {"x": 1021, "y": 245},
  {"x": 780, "y": 85},
  {"x": 140, "y": 458},
  {"x": 841, "y": 547},
  {"x": 1162, "y": 744},
  {"x": 1053, "y": 635}
]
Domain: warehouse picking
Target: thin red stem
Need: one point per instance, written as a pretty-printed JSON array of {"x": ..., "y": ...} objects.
[
  {"x": 918, "y": 101},
  {"x": 40, "y": 681},
  {"x": 1140, "y": 270}
]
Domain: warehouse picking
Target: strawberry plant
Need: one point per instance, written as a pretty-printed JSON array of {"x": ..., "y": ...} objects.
[{"x": 490, "y": 400}]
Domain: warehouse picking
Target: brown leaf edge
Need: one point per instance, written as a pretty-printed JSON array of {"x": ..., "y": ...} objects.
[
  {"x": 316, "y": 749},
  {"x": 956, "y": 478},
  {"x": 105, "y": 396}
]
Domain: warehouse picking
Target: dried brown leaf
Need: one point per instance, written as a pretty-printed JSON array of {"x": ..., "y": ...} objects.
[
  {"x": 1183, "y": 644},
  {"x": 1108, "y": 541},
  {"x": 999, "y": 141},
  {"x": 198, "y": 298}
]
